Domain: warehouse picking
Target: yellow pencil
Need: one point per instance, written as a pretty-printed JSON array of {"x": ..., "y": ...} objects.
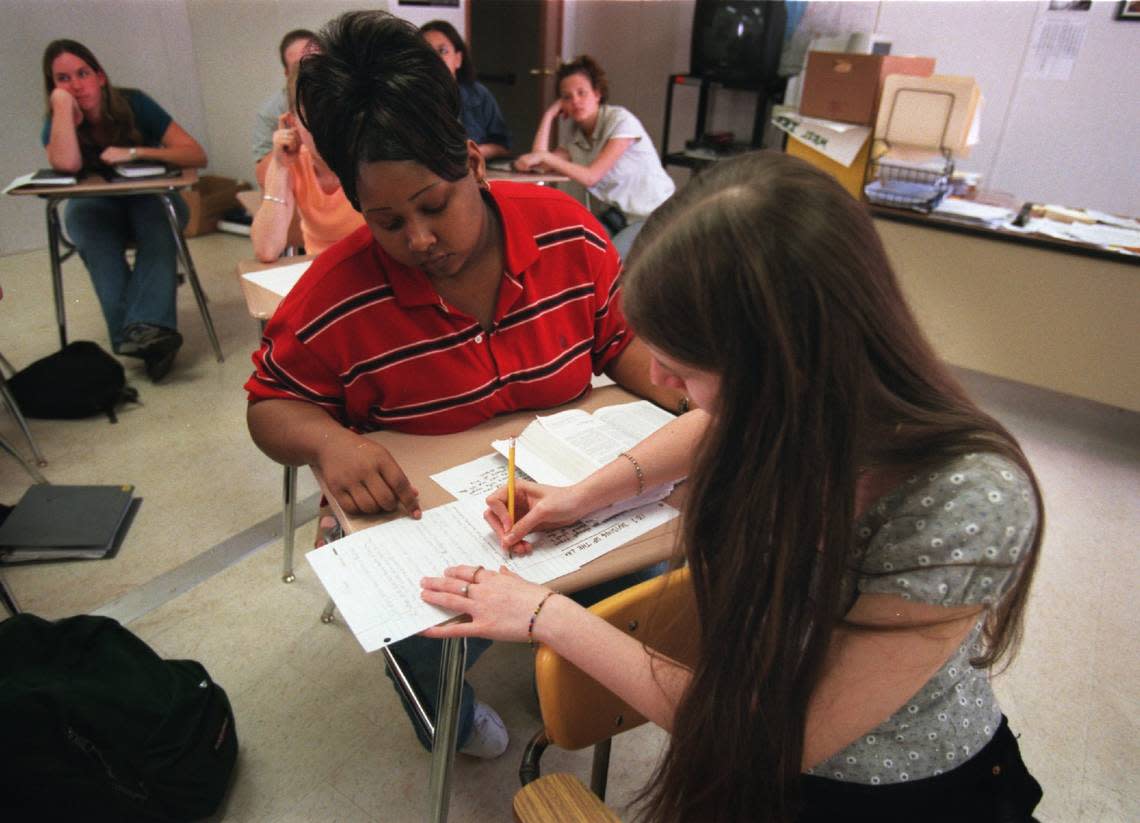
[{"x": 511, "y": 482}]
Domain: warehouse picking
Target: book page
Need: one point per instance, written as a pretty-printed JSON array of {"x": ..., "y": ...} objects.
[
  {"x": 637, "y": 420},
  {"x": 374, "y": 575}
]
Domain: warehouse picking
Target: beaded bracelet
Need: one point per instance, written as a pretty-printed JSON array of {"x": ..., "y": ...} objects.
[
  {"x": 273, "y": 199},
  {"x": 534, "y": 617},
  {"x": 636, "y": 468}
]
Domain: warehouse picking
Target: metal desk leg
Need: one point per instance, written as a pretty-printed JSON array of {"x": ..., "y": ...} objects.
[
  {"x": 19, "y": 415},
  {"x": 32, "y": 470},
  {"x": 191, "y": 272},
  {"x": 8, "y": 599},
  {"x": 54, "y": 237},
  {"x": 446, "y": 726},
  {"x": 288, "y": 516}
]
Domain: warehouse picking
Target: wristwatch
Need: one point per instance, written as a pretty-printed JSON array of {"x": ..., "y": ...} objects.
[
  {"x": 133, "y": 152},
  {"x": 683, "y": 404}
]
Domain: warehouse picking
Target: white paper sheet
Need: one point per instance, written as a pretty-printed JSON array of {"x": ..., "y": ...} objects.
[
  {"x": 477, "y": 478},
  {"x": 374, "y": 575},
  {"x": 840, "y": 142},
  {"x": 279, "y": 279},
  {"x": 1056, "y": 46}
]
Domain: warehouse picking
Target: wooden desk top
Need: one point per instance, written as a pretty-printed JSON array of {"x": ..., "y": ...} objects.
[
  {"x": 421, "y": 456},
  {"x": 260, "y": 301},
  {"x": 92, "y": 185},
  {"x": 512, "y": 176}
]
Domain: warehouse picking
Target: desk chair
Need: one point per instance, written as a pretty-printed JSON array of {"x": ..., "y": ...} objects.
[
  {"x": 578, "y": 712},
  {"x": 61, "y": 249}
]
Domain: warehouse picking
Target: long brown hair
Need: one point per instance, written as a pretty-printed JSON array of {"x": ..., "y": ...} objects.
[
  {"x": 765, "y": 272},
  {"x": 118, "y": 126}
]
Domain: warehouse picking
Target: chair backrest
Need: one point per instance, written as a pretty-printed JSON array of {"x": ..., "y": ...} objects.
[{"x": 576, "y": 710}]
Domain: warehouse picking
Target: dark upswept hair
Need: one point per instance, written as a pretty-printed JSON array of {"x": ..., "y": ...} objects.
[
  {"x": 118, "y": 115},
  {"x": 587, "y": 65},
  {"x": 466, "y": 71},
  {"x": 376, "y": 91},
  {"x": 764, "y": 271},
  {"x": 289, "y": 39}
]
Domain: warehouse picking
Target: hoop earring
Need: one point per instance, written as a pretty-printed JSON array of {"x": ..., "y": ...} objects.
[{"x": 483, "y": 183}]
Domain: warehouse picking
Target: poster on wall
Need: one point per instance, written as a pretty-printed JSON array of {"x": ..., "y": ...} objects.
[{"x": 1056, "y": 45}]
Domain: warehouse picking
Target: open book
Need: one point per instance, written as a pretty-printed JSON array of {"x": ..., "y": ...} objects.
[{"x": 561, "y": 449}]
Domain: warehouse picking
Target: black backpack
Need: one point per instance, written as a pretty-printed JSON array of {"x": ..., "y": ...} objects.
[
  {"x": 97, "y": 727},
  {"x": 79, "y": 380}
]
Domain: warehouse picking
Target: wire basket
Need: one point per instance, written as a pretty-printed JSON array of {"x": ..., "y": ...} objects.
[{"x": 900, "y": 184}]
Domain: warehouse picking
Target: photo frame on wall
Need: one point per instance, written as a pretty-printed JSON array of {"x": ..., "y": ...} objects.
[{"x": 1128, "y": 10}]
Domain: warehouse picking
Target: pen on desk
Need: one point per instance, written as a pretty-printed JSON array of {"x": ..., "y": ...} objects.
[{"x": 511, "y": 487}]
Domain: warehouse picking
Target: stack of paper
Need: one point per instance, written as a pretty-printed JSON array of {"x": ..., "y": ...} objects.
[{"x": 971, "y": 212}]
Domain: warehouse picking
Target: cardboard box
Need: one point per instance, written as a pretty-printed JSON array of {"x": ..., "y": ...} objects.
[
  {"x": 211, "y": 197},
  {"x": 847, "y": 87},
  {"x": 934, "y": 112},
  {"x": 850, "y": 177}
]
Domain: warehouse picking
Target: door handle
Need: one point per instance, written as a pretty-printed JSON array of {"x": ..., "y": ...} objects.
[{"x": 541, "y": 72}]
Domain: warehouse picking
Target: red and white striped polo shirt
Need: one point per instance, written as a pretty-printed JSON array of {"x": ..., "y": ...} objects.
[{"x": 372, "y": 342}]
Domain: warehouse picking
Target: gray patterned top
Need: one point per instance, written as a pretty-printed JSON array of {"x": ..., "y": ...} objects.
[{"x": 953, "y": 536}]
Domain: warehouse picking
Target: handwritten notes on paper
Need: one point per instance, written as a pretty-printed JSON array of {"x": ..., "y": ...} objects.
[{"x": 374, "y": 575}]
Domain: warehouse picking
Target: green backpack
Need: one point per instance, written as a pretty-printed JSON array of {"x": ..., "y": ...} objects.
[{"x": 96, "y": 726}]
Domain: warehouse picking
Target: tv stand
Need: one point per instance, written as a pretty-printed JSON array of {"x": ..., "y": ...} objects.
[{"x": 699, "y": 158}]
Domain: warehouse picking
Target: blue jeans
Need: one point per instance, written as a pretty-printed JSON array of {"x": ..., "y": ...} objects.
[
  {"x": 100, "y": 228},
  {"x": 419, "y": 657}
]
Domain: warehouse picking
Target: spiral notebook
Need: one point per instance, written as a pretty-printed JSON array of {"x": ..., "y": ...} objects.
[{"x": 67, "y": 522}]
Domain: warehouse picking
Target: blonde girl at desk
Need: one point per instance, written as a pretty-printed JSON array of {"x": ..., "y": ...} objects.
[
  {"x": 607, "y": 151},
  {"x": 92, "y": 126},
  {"x": 298, "y": 180},
  {"x": 861, "y": 536}
]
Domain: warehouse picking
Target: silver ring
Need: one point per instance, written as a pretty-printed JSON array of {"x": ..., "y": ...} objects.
[{"x": 466, "y": 588}]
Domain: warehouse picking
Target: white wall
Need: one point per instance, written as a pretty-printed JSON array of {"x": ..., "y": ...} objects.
[
  {"x": 211, "y": 62},
  {"x": 160, "y": 60},
  {"x": 236, "y": 47}
]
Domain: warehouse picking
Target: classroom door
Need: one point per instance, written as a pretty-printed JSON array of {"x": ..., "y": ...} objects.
[{"x": 516, "y": 45}]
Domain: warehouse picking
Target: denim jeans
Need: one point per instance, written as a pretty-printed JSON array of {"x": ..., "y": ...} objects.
[
  {"x": 100, "y": 228},
  {"x": 419, "y": 657}
]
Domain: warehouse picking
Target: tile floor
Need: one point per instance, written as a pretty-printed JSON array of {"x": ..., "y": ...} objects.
[{"x": 322, "y": 736}]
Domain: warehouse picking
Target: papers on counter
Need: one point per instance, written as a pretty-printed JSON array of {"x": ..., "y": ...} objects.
[{"x": 992, "y": 216}]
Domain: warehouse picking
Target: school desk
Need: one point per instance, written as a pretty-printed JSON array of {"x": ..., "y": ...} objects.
[
  {"x": 540, "y": 178},
  {"x": 60, "y": 248},
  {"x": 420, "y": 456}
]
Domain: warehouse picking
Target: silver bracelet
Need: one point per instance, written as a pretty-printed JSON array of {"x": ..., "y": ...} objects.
[
  {"x": 273, "y": 199},
  {"x": 636, "y": 468}
]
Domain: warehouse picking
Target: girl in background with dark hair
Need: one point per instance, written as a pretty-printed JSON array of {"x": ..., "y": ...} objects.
[
  {"x": 457, "y": 300},
  {"x": 607, "y": 151},
  {"x": 861, "y": 536},
  {"x": 91, "y": 126},
  {"x": 481, "y": 114}
]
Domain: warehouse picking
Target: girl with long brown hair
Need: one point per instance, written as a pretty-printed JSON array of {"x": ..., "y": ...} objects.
[
  {"x": 861, "y": 536},
  {"x": 92, "y": 126}
]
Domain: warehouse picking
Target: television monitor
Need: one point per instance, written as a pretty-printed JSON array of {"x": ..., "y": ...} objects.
[{"x": 737, "y": 42}]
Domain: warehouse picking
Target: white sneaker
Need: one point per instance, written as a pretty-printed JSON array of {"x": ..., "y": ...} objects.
[{"x": 489, "y": 737}]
